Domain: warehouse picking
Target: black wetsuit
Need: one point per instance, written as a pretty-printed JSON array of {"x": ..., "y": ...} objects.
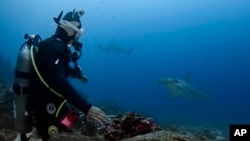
[{"x": 52, "y": 61}]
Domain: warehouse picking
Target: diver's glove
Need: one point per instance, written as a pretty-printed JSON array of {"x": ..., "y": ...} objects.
[
  {"x": 97, "y": 114},
  {"x": 76, "y": 72},
  {"x": 84, "y": 78},
  {"x": 79, "y": 74}
]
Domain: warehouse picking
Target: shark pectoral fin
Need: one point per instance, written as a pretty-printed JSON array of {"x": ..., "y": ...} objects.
[
  {"x": 174, "y": 91},
  {"x": 128, "y": 53},
  {"x": 130, "y": 50}
]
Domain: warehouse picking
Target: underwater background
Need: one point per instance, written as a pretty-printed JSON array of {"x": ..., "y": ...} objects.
[{"x": 209, "y": 39}]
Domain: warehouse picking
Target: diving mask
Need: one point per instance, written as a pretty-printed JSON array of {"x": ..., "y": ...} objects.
[{"x": 79, "y": 31}]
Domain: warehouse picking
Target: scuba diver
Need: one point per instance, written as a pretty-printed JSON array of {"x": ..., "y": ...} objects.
[{"x": 51, "y": 103}]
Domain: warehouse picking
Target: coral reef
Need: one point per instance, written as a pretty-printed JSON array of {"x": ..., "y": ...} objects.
[
  {"x": 124, "y": 127},
  {"x": 6, "y": 94},
  {"x": 89, "y": 127},
  {"x": 6, "y": 106},
  {"x": 7, "y": 134},
  {"x": 127, "y": 126}
]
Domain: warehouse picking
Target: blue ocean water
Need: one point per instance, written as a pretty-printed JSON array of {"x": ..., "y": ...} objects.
[{"x": 209, "y": 39}]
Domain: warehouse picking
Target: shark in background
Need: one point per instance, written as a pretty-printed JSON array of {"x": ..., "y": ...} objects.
[
  {"x": 182, "y": 88},
  {"x": 112, "y": 47}
]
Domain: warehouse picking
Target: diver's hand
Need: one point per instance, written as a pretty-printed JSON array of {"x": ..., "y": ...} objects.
[
  {"x": 78, "y": 70},
  {"x": 97, "y": 114},
  {"x": 84, "y": 78},
  {"x": 77, "y": 73}
]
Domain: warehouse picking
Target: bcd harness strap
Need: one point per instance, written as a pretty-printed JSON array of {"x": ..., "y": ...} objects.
[{"x": 44, "y": 82}]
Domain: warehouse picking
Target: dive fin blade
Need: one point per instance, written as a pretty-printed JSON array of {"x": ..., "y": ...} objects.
[{"x": 57, "y": 20}]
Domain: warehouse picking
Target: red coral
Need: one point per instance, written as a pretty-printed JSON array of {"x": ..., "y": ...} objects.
[{"x": 127, "y": 126}]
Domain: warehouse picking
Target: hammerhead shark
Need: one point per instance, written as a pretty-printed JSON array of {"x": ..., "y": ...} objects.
[
  {"x": 112, "y": 47},
  {"x": 182, "y": 88}
]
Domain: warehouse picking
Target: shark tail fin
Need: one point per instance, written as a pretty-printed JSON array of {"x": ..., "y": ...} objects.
[{"x": 186, "y": 77}]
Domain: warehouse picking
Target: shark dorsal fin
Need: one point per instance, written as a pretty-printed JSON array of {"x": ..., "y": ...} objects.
[{"x": 186, "y": 77}]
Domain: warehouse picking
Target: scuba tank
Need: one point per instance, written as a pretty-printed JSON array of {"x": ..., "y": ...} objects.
[
  {"x": 21, "y": 83},
  {"x": 23, "y": 72}
]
